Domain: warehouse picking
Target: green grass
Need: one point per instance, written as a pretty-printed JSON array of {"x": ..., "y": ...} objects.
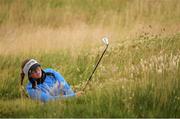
[
  {"x": 62, "y": 12},
  {"x": 135, "y": 79},
  {"x": 139, "y": 75}
]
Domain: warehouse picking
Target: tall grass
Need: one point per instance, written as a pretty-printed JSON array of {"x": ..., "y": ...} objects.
[
  {"x": 62, "y": 12},
  {"x": 138, "y": 77},
  {"x": 59, "y": 24}
]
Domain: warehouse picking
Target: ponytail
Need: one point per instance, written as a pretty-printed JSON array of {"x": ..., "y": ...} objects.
[
  {"x": 22, "y": 90},
  {"x": 22, "y": 75}
]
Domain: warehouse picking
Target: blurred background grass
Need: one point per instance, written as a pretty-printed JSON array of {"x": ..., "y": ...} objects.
[
  {"x": 59, "y": 24},
  {"x": 138, "y": 77}
]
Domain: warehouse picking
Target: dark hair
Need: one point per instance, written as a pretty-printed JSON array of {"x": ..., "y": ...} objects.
[
  {"x": 22, "y": 77},
  {"x": 33, "y": 82},
  {"x": 22, "y": 74}
]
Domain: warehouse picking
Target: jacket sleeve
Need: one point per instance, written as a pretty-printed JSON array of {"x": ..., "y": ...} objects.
[
  {"x": 67, "y": 90},
  {"x": 37, "y": 94}
]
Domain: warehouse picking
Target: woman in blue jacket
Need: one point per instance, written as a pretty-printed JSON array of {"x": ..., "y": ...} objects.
[{"x": 45, "y": 85}]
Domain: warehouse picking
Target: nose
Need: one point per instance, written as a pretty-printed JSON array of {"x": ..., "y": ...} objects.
[{"x": 38, "y": 71}]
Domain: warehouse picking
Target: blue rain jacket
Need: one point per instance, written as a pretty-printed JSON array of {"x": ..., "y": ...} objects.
[{"x": 52, "y": 88}]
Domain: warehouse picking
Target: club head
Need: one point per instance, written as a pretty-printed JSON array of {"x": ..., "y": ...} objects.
[{"x": 105, "y": 40}]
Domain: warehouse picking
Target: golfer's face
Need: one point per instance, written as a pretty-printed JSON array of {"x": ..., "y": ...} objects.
[{"x": 37, "y": 73}]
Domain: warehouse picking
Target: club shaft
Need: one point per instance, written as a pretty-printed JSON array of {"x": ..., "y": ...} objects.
[{"x": 95, "y": 68}]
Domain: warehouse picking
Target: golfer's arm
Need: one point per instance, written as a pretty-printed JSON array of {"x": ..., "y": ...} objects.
[
  {"x": 58, "y": 76},
  {"x": 39, "y": 95},
  {"x": 67, "y": 89},
  {"x": 68, "y": 93},
  {"x": 64, "y": 96}
]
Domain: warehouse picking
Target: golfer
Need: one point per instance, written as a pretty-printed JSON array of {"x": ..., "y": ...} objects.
[{"x": 45, "y": 84}]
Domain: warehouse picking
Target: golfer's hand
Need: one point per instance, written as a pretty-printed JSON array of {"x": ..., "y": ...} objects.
[{"x": 79, "y": 93}]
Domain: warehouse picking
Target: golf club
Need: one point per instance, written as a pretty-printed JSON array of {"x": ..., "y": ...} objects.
[{"x": 105, "y": 41}]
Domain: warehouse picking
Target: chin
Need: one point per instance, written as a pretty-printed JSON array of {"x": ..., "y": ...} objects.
[{"x": 39, "y": 76}]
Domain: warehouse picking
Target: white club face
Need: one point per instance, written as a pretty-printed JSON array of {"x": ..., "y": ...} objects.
[{"x": 105, "y": 40}]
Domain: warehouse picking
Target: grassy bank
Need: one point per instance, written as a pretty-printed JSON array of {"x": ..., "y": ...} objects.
[
  {"x": 62, "y": 12},
  {"x": 67, "y": 24},
  {"x": 137, "y": 79}
]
